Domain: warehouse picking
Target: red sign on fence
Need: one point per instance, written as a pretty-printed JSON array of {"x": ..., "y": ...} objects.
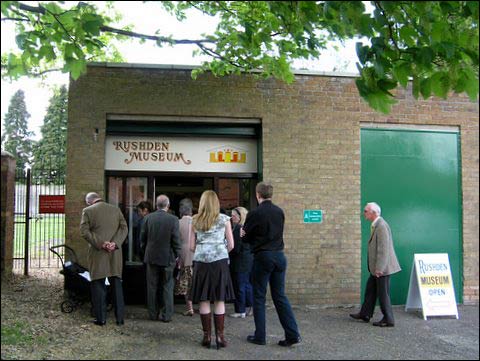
[{"x": 51, "y": 204}]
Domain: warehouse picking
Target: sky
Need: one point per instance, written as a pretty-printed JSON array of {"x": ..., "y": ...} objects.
[{"x": 146, "y": 18}]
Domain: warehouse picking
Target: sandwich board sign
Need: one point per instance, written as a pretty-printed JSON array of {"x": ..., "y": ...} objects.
[{"x": 431, "y": 286}]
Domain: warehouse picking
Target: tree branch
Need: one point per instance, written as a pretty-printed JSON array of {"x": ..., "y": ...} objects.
[
  {"x": 162, "y": 39},
  {"x": 15, "y": 19},
  {"x": 392, "y": 38},
  {"x": 214, "y": 54},
  {"x": 131, "y": 34}
]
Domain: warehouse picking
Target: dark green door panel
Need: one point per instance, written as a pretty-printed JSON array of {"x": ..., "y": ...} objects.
[{"x": 415, "y": 178}]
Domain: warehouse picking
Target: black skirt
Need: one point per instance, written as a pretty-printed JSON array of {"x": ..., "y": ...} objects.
[{"x": 211, "y": 282}]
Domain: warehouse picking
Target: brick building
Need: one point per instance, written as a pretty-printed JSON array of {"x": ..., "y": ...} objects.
[{"x": 135, "y": 131}]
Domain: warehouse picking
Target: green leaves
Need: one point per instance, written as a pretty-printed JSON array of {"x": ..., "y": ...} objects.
[
  {"x": 433, "y": 44},
  {"x": 57, "y": 37}
]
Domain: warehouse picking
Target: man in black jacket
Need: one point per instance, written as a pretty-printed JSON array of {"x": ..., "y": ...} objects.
[
  {"x": 263, "y": 229},
  {"x": 160, "y": 241}
]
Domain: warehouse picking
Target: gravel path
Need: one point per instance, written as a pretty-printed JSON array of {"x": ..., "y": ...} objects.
[{"x": 33, "y": 327}]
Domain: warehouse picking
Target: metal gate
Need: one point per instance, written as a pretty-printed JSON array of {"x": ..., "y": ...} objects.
[{"x": 38, "y": 225}]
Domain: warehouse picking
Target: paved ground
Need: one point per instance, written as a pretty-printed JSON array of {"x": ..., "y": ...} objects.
[
  {"x": 33, "y": 327},
  {"x": 327, "y": 334}
]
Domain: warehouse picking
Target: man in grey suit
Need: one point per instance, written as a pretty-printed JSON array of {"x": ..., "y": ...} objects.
[
  {"x": 382, "y": 262},
  {"x": 160, "y": 241}
]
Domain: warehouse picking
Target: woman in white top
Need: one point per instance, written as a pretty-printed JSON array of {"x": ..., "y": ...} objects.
[{"x": 211, "y": 274}]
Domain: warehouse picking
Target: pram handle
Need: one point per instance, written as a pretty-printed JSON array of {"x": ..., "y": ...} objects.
[{"x": 52, "y": 249}]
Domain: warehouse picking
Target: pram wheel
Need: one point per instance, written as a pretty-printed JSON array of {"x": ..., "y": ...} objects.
[{"x": 67, "y": 306}]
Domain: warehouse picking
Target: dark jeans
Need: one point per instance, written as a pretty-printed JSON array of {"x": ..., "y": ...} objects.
[
  {"x": 99, "y": 298},
  {"x": 243, "y": 291},
  {"x": 378, "y": 287},
  {"x": 160, "y": 284},
  {"x": 270, "y": 267}
]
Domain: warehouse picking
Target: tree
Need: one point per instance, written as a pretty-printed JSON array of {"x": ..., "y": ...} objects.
[
  {"x": 432, "y": 43},
  {"x": 16, "y": 137},
  {"x": 50, "y": 152}
]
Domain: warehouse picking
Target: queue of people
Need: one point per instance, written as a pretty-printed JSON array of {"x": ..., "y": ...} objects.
[{"x": 219, "y": 259}]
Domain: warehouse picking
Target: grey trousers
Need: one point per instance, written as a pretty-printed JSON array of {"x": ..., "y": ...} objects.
[
  {"x": 378, "y": 288},
  {"x": 99, "y": 298},
  {"x": 160, "y": 284}
]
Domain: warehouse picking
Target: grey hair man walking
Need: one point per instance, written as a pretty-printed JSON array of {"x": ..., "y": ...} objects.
[{"x": 382, "y": 262}]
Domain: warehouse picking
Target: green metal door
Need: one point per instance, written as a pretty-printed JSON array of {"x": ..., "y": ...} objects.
[{"x": 415, "y": 178}]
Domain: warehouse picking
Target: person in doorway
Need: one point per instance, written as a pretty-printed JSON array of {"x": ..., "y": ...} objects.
[
  {"x": 160, "y": 240},
  {"x": 211, "y": 275},
  {"x": 105, "y": 229},
  {"x": 382, "y": 262},
  {"x": 263, "y": 230},
  {"x": 143, "y": 208},
  {"x": 241, "y": 260},
  {"x": 184, "y": 262}
]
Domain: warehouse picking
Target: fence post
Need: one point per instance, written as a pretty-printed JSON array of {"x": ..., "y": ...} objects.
[{"x": 27, "y": 222}]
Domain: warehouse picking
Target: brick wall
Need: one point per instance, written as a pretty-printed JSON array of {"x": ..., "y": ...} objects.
[
  {"x": 8, "y": 207},
  {"x": 311, "y": 153}
]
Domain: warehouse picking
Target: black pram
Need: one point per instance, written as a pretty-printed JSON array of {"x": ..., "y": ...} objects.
[{"x": 76, "y": 286}]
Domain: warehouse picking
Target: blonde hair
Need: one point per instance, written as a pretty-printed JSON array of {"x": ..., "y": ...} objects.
[
  {"x": 242, "y": 212},
  {"x": 208, "y": 211}
]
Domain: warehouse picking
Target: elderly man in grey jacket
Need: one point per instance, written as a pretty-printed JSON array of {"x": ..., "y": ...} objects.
[
  {"x": 105, "y": 229},
  {"x": 160, "y": 241},
  {"x": 382, "y": 262}
]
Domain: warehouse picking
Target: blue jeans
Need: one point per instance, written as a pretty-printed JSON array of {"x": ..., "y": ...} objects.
[
  {"x": 270, "y": 267},
  {"x": 243, "y": 291}
]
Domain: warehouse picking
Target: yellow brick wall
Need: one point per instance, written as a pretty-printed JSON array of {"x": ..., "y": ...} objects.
[{"x": 311, "y": 153}]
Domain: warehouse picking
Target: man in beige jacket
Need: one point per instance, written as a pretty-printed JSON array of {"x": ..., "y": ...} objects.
[
  {"x": 382, "y": 262},
  {"x": 105, "y": 229}
]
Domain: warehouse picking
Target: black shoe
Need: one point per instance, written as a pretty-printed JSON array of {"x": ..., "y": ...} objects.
[
  {"x": 358, "y": 316},
  {"x": 120, "y": 323},
  {"x": 383, "y": 323},
  {"x": 252, "y": 339},
  {"x": 99, "y": 323},
  {"x": 165, "y": 320},
  {"x": 289, "y": 343}
]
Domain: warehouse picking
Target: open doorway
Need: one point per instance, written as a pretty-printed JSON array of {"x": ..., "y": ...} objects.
[{"x": 178, "y": 188}]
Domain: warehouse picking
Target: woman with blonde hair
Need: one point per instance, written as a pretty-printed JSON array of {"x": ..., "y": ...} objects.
[{"x": 211, "y": 274}]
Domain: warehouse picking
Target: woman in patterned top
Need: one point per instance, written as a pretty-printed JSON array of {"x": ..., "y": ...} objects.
[{"x": 211, "y": 274}]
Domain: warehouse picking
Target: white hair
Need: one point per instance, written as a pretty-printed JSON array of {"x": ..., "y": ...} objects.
[
  {"x": 375, "y": 208},
  {"x": 91, "y": 197},
  {"x": 163, "y": 201}
]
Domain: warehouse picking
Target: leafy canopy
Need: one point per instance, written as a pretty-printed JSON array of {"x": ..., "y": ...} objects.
[{"x": 434, "y": 44}]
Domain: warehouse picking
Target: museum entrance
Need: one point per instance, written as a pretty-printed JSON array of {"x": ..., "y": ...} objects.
[
  {"x": 180, "y": 158},
  {"x": 127, "y": 189}
]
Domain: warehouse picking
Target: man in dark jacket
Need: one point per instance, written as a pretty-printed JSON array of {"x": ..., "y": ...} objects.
[
  {"x": 160, "y": 241},
  {"x": 263, "y": 229}
]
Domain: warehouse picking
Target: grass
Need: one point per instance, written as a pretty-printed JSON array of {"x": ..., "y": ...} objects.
[
  {"x": 45, "y": 231},
  {"x": 16, "y": 334}
]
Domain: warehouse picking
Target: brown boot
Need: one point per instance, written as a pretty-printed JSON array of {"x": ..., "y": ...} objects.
[
  {"x": 219, "y": 326},
  {"x": 207, "y": 329}
]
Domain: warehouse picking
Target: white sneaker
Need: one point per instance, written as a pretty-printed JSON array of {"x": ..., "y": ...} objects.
[
  {"x": 249, "y": 311},
  {"x": 237, "y": 315}
]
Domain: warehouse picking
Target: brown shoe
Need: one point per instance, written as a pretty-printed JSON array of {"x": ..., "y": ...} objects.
[
  {"x": 219, "y": 321},
  {"x": 207, "y": 329}
]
